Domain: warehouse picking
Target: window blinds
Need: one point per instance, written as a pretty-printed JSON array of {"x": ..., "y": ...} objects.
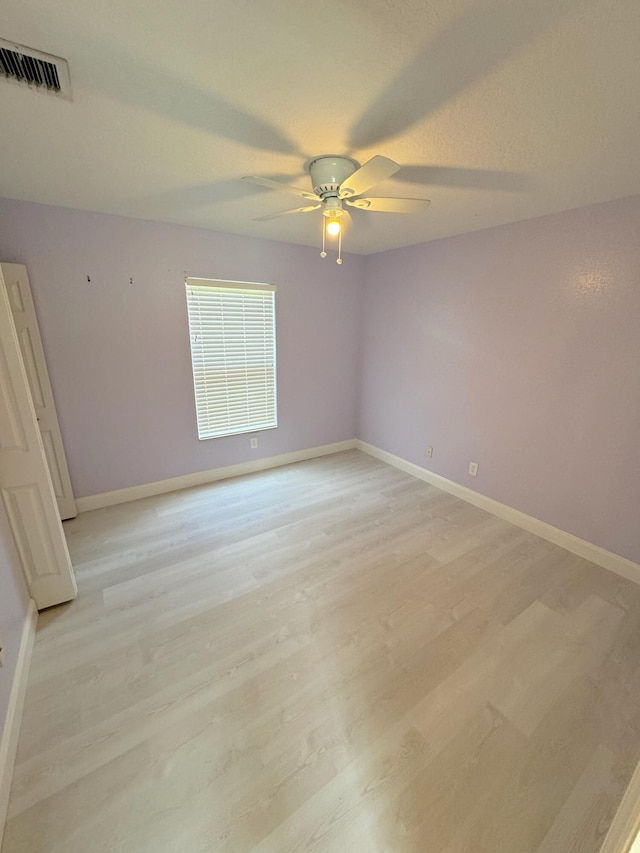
[{"x": 233, "y": 356}]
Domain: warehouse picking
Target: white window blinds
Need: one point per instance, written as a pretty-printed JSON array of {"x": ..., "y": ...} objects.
[{"x": 233, "y": 355}]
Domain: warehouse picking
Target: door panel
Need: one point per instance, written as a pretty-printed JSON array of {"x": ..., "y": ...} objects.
[
  {"x": 26, "y": 323},
  {"x": 25, "y": 483}
]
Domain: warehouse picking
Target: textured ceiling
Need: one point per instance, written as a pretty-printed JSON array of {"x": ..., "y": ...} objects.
[{"x": 498, "y": 110}]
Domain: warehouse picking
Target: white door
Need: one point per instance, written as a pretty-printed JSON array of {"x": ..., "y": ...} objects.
[
  {"x": 26, "y": 323},
  {"x": 25, "y": 483}
]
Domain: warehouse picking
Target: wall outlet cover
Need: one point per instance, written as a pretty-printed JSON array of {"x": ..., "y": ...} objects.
[{"x": 473, "y": 469}]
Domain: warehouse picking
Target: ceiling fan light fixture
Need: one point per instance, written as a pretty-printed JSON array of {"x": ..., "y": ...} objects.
[
  {"x": 333, "y": 226},
  {"x": 332, "y": 207}
]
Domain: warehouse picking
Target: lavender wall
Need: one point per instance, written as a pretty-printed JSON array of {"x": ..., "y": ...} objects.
[
  {"x": 13, "y": 611},
  {"x": 517, "y": 348},
  {"x": 118, "y": 354}
]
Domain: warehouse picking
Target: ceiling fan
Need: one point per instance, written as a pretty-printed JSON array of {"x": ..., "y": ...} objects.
[{"x": 337, "y": 180}]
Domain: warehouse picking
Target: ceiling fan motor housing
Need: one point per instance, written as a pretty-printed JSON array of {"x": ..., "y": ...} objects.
[{"x": 329, "y": 172}]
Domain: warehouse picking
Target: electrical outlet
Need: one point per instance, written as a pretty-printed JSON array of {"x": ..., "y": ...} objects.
[
  {"x": 429, "y": 452},
  {"x": 254, "y": 443},
  {"x": 473, "y": 469}
]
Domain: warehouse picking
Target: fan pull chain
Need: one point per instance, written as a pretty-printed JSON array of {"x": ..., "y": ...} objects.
[
  {"x": 323, "y": 254},
  {"x": 339, "y": 260}
]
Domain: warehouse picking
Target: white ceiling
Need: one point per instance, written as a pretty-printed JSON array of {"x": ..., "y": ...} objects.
[{"x": 499, "y": 110}]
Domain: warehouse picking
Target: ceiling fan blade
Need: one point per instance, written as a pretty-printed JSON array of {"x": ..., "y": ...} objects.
[
  {"x": 279, "y": 185},
  {"x": 375, "y": 170},
  {"x": 287, "y": 212},
  {"x": 391, "y": 205}
]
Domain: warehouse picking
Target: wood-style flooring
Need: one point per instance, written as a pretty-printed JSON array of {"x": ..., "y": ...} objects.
[{"x": 331, "y": 656}]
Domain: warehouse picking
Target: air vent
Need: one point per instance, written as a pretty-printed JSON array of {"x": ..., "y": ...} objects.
[{"x": 34, "y": 69}]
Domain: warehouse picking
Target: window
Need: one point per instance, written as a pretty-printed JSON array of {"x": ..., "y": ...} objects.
[{"x": 233, "y": 355}]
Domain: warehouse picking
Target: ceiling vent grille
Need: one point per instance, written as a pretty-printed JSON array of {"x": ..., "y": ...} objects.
[{"x": 37, "y": 70}]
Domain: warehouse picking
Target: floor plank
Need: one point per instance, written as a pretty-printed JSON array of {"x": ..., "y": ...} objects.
[{"x": 325, "y": 657}]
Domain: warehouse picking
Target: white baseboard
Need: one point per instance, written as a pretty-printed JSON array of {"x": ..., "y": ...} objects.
[
  {"x": 597, "y": 555},
  {"x": 9, "y": 736},
  {"x": 174, "y": 484}
]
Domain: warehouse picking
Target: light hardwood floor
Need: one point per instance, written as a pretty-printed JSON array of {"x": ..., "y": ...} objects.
[{"x": 331, "y": 656}]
